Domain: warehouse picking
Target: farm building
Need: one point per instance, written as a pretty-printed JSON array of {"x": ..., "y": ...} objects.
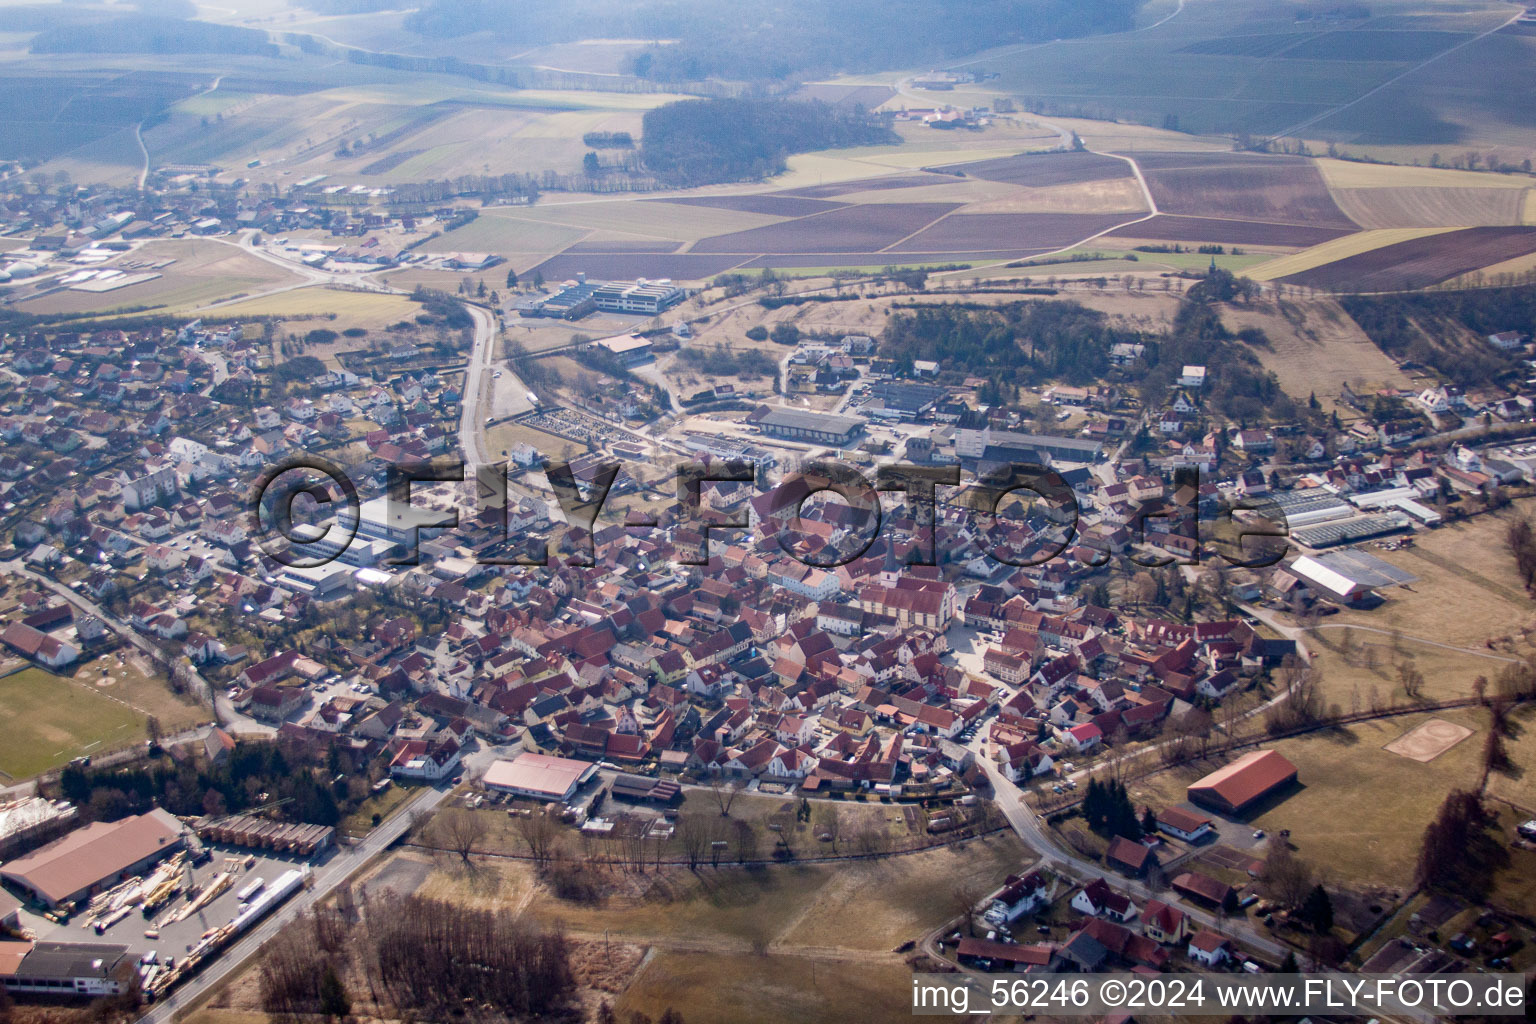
[
  {"x": 94, "y": 857},
  {"x": 540, "y": 776},
  {"x": 799, "y": 425},
  {"x": 643, "y": 787},
  {"x": 1349, "y": 575},
  {"x": 1244, "y": 782}
]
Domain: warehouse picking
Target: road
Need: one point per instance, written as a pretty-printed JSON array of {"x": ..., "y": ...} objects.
[
  {"x": 325, "y": 879},
  {"x": 1010, "y": 800}
]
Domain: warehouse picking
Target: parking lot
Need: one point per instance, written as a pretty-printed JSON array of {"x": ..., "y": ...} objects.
[{"x": 174, "y": 937}]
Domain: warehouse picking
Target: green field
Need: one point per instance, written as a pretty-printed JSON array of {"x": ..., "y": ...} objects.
[
  {"x": 1229, "y": 66},
  {"x": 46, "y": 720}
]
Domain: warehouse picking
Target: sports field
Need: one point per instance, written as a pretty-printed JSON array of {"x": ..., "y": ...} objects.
[{"x": 48, "y": 719}]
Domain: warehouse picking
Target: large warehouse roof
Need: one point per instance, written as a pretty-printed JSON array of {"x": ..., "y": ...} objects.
[
  {"x": 1244, "y": 780},
  {"x": 802, "y": 419},
  {"x": 539, "y": 774},
  {"x": 88, "y": 855}
]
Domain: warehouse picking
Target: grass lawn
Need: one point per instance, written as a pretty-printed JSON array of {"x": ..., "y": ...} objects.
[
  {"x": 129, "y": 682},
  {"x": 46, "y": 720},
  {"x": 360, "y": 821},
  {"x": 369, "y": 310},
  {"x": 713, "y": 988},
  {"x": 1360, "y": 811}
]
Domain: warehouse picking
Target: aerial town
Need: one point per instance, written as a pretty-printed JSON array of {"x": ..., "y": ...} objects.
[{"x": 656, "y": 576}]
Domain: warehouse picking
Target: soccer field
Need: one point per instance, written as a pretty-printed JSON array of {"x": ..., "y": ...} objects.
[{"x": 47, "y": 720}]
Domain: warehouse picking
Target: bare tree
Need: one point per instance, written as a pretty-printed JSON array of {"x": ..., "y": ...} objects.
[
  {"x": 459, "y": 830},
  {"x": 538, "y": 831},
  {"x": 694, "y": 838},
  {"x": 725, "y": 792},
  {"x": 746, "y": 841},
  {"x": 963, "y": 897}
]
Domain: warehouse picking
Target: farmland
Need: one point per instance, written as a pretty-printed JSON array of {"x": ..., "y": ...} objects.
[
  {"x": 342, "y": 309},
  {"x": 1430, "y": 207},
  {"x": 49, "y": 719},
  {"x": 1040, "y": 169},
  {"x": 1241, "y": 186},
  {"x": 1337, "y": 249},
  {"x": 1007, "y": 232},
  {"x": 1420, "y": 261},
  {"x": 1166, "y": 228},
  {"x": 851, "y": 229},
  {"x": 1251, "y": 66}
]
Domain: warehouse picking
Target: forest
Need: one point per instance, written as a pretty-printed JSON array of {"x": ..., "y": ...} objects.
[
  {"x": 701, "y": 142},
  {"x": 145, "y": 34},
  {"x": 1039, "y": 342},
  {"x": 1447, "y": 331}
]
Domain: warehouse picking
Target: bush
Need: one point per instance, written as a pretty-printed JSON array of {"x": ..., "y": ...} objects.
[
  {"x": 785, "y": 333},
  {"x": 758, "y": 333}
]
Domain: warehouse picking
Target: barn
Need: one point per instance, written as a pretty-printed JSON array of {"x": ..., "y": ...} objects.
[{"x": 1244, "y": 782}]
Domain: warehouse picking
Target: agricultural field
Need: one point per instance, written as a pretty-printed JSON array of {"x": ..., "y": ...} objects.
[
  {"x": 846, "y": 230},
  {"x": 1431, "y": 207},
  {"x": 50, "y": 719},
  {"x": 1201, "y": 230},
  {"x": 1250, "y": 66},
  {"x": 1006, "y": 232},
  {"x": 1420, "y": 262},
  {"x": 1241, "y": 186},
  {"x": 1337, "y": 249}
]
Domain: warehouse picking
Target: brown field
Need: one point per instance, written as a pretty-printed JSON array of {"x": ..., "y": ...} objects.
[
  {"x": 624, "y": 266},
  {"x": 1040, "y": 169},
  {"x": 1427, "y": 741},
  {"x": 1337, "y": 249},
  {"x": 1007, "y": 231},
  {"x": 1112, "y": 195},
  {"x": 734, "y": 988},
  {"x": 886, "y": 259},
  {"x": 1315, "y": 349},
  {"x": 646, "y": 217},
  {"x": 613, "y": 246},
  {"x": 1430, "y": 207},
  {"x": 849, "y": 229},
  {"x": 842, "y": 188},
  {"x": 772, "y": 205},
  {"x": 1241, "y": 186},
  {"x": 1421, "y": 261},
  {"x": 1168, "y": 228}
]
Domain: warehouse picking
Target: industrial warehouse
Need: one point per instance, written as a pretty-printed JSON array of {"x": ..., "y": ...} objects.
[
  {"x": 801, "y": 425},
  {"x": 539, "y": 776},
  {"x": 94, "y": 857}
]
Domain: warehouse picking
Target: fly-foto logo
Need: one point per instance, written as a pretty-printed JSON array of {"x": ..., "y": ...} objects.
[{"x": 1021, "y": 515}]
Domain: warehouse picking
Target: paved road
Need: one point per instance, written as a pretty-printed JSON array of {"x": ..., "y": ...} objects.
[
  {"x": 1010, "y": 800},
  {"x": 326, "y": 878}
]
